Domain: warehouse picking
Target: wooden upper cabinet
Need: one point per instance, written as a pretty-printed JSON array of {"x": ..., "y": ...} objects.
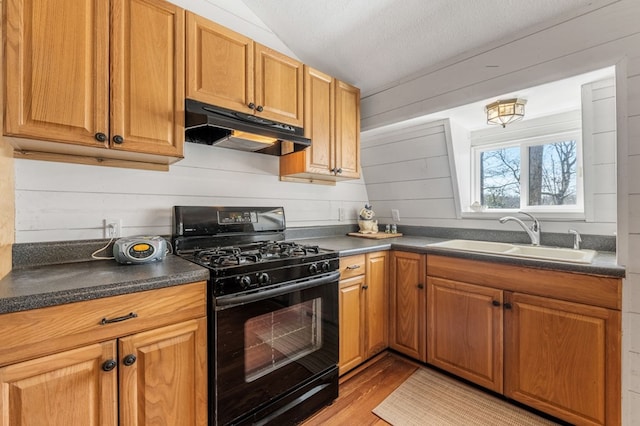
[
  {"x": 57, "y": 70},
  {"x": 96, "y": 74},
  {"x": 219, "y": 65},
  {"x": 332, "y": 122},
  {"x": 147, "y": 76},
  {"x": 279, "y": 83},
  {"x": 229, "y": 70},
  {"x": 347, "y": 130}
]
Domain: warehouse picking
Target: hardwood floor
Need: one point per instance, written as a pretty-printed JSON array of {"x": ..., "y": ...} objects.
[{"x": 363, "y": 389}]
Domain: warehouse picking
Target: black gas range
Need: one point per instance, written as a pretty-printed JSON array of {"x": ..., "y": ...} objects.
[{"x": 273, "y": 314}]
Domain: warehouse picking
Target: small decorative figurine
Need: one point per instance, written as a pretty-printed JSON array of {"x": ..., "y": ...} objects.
[{"x": 366, "y": 222}]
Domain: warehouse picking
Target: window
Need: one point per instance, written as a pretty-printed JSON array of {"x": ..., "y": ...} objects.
[{"x": 541, "y": 173}]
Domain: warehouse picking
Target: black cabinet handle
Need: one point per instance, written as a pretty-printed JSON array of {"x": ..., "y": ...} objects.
[
  {"x": 420, "y": 286},
  {"x": 109, "y": 365},
  {"x": 118, "y": 319},
  {"x": 364, "y": 287},
  {"x": 508, "y": 305},
  {"x": 100, "y": 137},
  {"x": 352, "y": 267},
  {"x": 259, "y": 108},
  {"x": 118, "y": 139},
  {"x": 251, "y": 105},
  {"x": 495, "y": 303},
  {"x": 129, "y": 360}
]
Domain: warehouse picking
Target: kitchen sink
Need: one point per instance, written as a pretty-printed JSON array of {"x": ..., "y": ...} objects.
[{"x": 557, "y": 254}]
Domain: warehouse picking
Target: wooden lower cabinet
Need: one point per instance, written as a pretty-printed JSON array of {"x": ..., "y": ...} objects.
[
  {"x": 563, "y": 358},
  {"x": 465, "y": 334},
  {"x": 154, "y": 376},
  {"x": 363, "y": 307},
  {"x": 555, "y": 354},
  {"x": 67, "y": 388},
  {"x": 408, "y": 298}
]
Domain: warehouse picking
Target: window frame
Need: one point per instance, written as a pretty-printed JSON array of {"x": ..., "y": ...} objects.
[{"x": 524, "y": 144}]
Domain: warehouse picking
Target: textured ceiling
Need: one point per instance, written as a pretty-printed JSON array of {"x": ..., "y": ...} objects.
[{"x": 373, "y": 43}]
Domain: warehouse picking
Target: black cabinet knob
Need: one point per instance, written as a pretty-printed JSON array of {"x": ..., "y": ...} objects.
[
  {"x": 129, "y": 360},
  {"x": 109, "y": 365},
  {"x": 364, "y": 287},
  {"x": 508, "y": 305},
  {"x": 339, "y": 171},
  {"x": 259, "y": 108},
  {"x": 100, "y": 137},
  {"x": 495, "y": 303},
  {"x": 251, "y": 105},
  {"x": 118, "y": 139},
  {"x": 420, "y": 286}
]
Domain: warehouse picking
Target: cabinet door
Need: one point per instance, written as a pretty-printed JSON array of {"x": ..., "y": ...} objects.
[
  {"x": 351, "y": 317},
  {"x": 347, "y": 130},
  {"x": 67, "y": 388},
  {"x": 57, "y": 79},
  {"x": 377, "y": 303},
  {"x": 147, "y": 77},
  {"x": 561, "y": 358},
  {"x": 279, "y": 84},
  {"x": 167, "y": 381},
  {"x": 465, "y": 331},
  {"x": 408, "y": 304},
  {"x": 318, "y": 121},
  {"x": 219, "y": 65}
]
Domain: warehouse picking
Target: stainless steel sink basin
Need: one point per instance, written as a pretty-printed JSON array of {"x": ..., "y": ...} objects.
[{"x": 557, "y": 254}]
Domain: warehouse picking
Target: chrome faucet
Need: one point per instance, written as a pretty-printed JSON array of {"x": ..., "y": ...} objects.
[
  {"x": 576, "y": 238},
  {"x": 533, "y": 231}
]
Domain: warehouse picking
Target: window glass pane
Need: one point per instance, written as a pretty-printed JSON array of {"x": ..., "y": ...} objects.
[
  {"x": 552, "y": 174},
  {"x": 500, "y": 178}
]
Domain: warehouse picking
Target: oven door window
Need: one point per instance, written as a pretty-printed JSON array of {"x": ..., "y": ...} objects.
[{"x": 276, "y": 339}]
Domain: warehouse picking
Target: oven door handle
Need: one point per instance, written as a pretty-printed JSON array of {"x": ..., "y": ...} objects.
[{"x": 225, "y": 302}]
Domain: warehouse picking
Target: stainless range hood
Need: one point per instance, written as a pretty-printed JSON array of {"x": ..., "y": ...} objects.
[{"x": 212, "y": 125}]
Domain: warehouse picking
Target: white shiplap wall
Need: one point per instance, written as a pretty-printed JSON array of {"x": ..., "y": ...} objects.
[
  {"x": 604, "y": 34},
  {"x": 57, "y": 201}
]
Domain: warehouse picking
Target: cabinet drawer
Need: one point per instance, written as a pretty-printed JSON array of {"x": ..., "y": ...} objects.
[
  {"x": 38, "y": 332},
  {"x": 352, "y": 266}
]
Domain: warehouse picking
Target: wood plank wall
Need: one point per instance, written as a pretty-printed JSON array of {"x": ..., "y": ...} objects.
[{"x": 604, "y": 33}]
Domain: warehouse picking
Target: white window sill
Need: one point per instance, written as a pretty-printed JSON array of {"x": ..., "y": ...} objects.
[{"x": 546, "y": 216}]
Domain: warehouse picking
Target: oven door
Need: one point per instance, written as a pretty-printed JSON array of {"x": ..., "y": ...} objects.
[{"x": 272, "y": 342}]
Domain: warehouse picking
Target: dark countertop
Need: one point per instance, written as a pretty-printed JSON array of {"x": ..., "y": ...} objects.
[
  {"x": 48, "y": 285},
  {"x": 603, "y": 264}
]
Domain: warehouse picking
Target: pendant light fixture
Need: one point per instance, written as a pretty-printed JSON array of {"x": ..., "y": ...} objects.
[{"x": 507, "y": 111}]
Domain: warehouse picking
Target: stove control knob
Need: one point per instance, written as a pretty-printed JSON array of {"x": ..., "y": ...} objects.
[
  {"x": 313, "y": 268},
  {"x": 244, "y": 281},
  {"x": 325, "y": 266},
  {"x": 263, "y": 278}
]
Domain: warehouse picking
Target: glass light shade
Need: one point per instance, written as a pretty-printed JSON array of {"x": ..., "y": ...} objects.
[{"x": 505, "y": 112}]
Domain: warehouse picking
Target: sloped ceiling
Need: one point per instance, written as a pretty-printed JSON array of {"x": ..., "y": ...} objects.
[{"x": 374, "y": 43}]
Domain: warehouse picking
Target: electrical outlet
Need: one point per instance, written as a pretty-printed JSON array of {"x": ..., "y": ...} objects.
[
  {"x": 395, "y": 214},
  {"x": 341, "y": 214},
  {"x": 112, "y": 228}
]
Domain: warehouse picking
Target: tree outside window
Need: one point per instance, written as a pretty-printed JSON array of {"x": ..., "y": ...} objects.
[{"x": 525, "y": 175}]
